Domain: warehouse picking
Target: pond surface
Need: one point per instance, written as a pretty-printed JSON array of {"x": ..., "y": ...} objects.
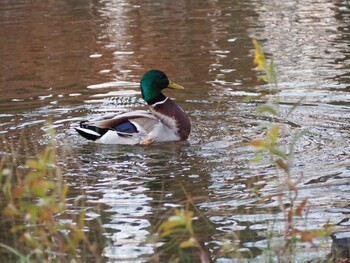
[{"x": 61, "y": 61}]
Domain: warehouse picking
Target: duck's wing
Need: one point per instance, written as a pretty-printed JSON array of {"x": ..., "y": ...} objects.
[{"x": 125, "y": 125}]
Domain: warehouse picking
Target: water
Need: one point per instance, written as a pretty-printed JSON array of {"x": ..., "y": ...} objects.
[{"x": 64, "y": 60}]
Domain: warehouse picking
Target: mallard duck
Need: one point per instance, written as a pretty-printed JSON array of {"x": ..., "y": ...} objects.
[{"x": 165, "y": 121}]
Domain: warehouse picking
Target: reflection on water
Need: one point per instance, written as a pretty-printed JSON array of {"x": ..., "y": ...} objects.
[
  {"x": 64, "y": 60},
  {"x": 309, "y": 48}
]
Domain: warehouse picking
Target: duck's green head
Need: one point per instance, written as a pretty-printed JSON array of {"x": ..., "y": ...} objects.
[{"x": 152, "y": 84}]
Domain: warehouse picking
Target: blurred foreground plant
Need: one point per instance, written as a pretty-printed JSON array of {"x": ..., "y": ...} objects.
[
  {"x": 179, "y": 230},
  {"x": 274, "y": 148},
  {"x": 32, "y": 206}
]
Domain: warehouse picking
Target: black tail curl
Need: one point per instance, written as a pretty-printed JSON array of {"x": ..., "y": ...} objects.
[{"x": 96, "y": 132}]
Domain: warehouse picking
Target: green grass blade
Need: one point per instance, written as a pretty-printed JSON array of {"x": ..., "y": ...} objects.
[{"x": 22, "y": 259}]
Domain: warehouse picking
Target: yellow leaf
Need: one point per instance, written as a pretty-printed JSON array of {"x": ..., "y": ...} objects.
[
  {"x": 282, "y": 164},
  {"x": 257, "y": 143},
  {"x": 273, "y": 133},
  {"x": 291, "y": 185},
  {"x": 180, "y": 222},
  {"x": 188, "y": 221},
  {"x": 172, "y": 231},
  {"x": 191, "y": 242},
  {"x": 166, "y": 225},
  {"x": 34, "y": 164},
  {"x": 259, "y": 58}
]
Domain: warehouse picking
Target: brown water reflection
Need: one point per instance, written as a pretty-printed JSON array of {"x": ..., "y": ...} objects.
[{"x": 63, "y": 60}]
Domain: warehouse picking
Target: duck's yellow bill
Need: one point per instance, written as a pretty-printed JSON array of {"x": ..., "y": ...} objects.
[{"x": 173, "y": 85}]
